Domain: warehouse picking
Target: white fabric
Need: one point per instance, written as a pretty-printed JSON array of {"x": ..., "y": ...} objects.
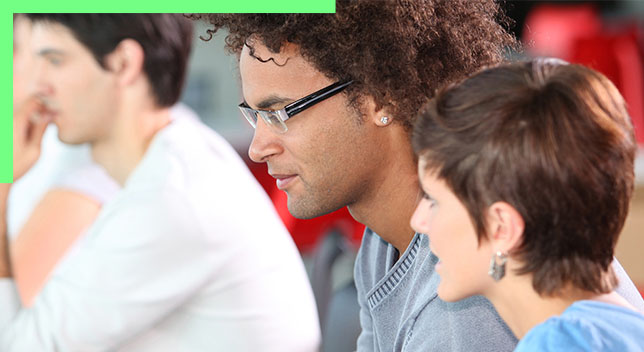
[
  {"x": 59, "y": 166},
  {"x": 189, "y": 256},
  {"x": 9, "y": 298},
  {"x": 90, "y": 180}
]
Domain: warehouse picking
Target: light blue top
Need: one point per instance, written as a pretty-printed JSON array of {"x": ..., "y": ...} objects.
[{"x": 588, "y": 326}]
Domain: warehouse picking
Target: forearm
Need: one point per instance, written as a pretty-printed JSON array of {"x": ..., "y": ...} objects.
[
  {"x": 33, "y": 254},
  {"x": 5, "y": 266}
]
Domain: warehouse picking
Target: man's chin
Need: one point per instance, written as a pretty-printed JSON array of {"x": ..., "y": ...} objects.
[
  {"x": 305, "y": 209},
  {"x": 70, "y": 139}
]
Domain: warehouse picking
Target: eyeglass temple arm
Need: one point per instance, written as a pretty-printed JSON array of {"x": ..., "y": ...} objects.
[{"x": 315, "y": 98}]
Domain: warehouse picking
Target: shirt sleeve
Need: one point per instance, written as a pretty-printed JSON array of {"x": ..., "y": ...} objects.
[
  {"x": 143, "y": 257},
  {"x": 9, "y": 301}
]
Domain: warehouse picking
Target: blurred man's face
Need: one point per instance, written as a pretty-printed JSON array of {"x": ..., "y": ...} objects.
[{"x": 80, "y": 94}]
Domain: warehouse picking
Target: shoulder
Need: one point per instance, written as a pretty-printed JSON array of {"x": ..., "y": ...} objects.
[
  {"x": 189, "y": 154},
  {"x": 557, "y": 333},
  {"x": 471, "y": 324},
  {"x": 138, "y": 217},
  {"x": 588, "y": 326},
  {"x": 90, "y": 180}
]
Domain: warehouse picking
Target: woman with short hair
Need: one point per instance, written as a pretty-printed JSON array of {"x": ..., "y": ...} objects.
[{"x": 539, "y": 157}]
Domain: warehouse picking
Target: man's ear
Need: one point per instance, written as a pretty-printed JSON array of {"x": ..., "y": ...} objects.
[
  {"x": 505, "y": 227},
  {"x": 374, "y": 114},
  {"x": 126, "y": 61}
]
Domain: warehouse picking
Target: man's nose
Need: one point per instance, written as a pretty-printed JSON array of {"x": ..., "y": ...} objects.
[
  {"x": 40, "y": 83},
  {"x": 265, "y": 143}
]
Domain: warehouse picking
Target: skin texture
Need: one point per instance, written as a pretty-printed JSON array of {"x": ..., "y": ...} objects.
[
  {"x": 331, "y": 156},
  {"x": 316, "y": 188},
  {"x": 27, "y": 130},
  {"x": 463, "y": 260},
  {"x": 77, "y": 90},
  {"x": 22, "y": 60},
  {"x": 46, "y": 237},
  {"x": 95, "y": 105}
]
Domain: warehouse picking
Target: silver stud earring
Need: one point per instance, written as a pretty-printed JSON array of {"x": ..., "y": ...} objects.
[
  {"x": 497, "y": 265},
  {"x": 384, "y": 120}
]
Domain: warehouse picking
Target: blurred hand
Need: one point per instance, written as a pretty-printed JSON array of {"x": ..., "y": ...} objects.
[{"x": 30, "y": 119}]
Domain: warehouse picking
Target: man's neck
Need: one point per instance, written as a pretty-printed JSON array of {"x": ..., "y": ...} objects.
[
  {"x": 388, "y": 205},
  {"x": 122, "y": 151}
]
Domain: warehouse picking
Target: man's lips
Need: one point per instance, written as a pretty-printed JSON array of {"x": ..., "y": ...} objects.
[
  {"x": 283, "y": 180},
  {"x": 43, "y": 112},
  {"x": 38, "y": 116}
]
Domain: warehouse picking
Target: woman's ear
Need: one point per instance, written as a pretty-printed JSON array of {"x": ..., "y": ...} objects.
[
  {"x": 505, "y": 226},
  {"x": 126, "y": 61}
]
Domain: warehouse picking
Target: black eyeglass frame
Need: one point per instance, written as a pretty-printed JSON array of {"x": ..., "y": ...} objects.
[{"x": 277, "y": 118}]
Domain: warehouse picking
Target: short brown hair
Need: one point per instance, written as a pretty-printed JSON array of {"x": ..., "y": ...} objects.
[
  {"x": 166, "y": 40},
  {"x": 553, "y": 140},
  {"x": 398, "y": 52}
]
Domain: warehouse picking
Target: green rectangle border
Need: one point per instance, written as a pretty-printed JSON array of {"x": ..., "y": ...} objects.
[{"x": 185, "y": 6}]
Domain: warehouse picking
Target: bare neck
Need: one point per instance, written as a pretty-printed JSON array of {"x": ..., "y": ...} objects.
[
  {"x": 121, "y": 151},
  {"x": 522, "y": 308},
  {"x": 389, "y": 203}
]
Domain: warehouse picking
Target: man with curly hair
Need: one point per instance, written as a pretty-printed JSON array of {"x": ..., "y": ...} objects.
[{"x": 332, "y": 98}]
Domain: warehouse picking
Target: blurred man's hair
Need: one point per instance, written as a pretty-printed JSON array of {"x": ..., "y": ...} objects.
[{"x": 166, "y": 40}]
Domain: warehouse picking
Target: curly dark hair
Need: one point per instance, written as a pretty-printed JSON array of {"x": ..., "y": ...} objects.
[{"x": 398, "y": 52}]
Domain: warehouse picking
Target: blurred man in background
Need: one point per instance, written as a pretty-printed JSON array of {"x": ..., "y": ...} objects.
[
  {"x": 65, "y": 180},
  {"x": 171, "y": 263}
]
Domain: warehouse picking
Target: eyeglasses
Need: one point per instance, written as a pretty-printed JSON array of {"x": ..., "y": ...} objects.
[{"x": 276, "y": 119}]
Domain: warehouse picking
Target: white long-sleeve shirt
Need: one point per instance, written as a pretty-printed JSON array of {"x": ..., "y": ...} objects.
[
  {"x": 189, "y": 256},
  {"x": 60, "y": 166}
]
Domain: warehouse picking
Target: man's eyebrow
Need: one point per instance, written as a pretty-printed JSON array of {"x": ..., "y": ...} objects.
[
  {"x": 49, "y": 51},
  {"x": 273, "y": 100}
]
